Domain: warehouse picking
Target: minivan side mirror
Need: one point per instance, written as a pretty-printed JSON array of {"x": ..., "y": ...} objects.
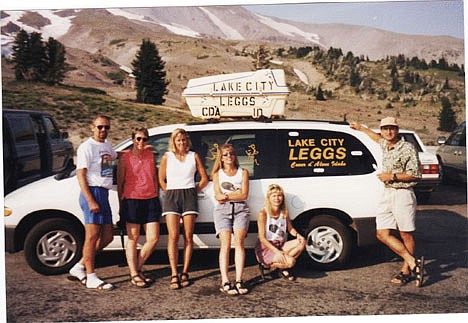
[
  {"x": 441, "y": 140},
  {"x": 65, "y": 135}
]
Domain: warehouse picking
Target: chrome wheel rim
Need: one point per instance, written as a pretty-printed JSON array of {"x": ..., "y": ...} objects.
[
  {"x": 56, "y": 248},
  {"x": 324, "y": 244}
]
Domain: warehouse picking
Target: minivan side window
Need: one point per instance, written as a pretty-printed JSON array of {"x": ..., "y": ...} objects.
[
  {"x": 249, "y": 147},
  {"x": 322, "y": 153},
  {"x": 22, "y": 129}
]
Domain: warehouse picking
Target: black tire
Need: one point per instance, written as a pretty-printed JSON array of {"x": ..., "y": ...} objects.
[
  {"x": 423, "y": 197},
  {"x": 53, "y": 246},
  {"x": 329, "y": 243}
]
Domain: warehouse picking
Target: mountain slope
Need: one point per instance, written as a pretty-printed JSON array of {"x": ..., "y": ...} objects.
[{"x": 228, "y": 23}]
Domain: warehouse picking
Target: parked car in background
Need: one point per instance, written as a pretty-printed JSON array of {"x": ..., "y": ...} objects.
[
  {"x": 430, "y": 169},
  {"x": 452, "y": 155},
  {"x": 33, "y": 148}
]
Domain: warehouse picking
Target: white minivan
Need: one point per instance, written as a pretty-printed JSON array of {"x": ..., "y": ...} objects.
[{"x": 327, "y": 170}]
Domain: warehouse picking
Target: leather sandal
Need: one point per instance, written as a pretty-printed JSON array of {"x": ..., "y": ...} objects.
[
  {"x": 240, "y": 287},
  {"x": 227, "y": 288},
  {"x": 402, "y": 279},
  {"x": 184, "y": 280},
  {"x": 175, "y": 282},
  {"x": 139, "y": 282}
]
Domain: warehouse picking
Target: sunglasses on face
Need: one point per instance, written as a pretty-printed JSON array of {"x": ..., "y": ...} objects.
[
  {"x": 228, "y": 154},
  {"x": 145, "y": 139},
  {"x": 101, "y": 127}
]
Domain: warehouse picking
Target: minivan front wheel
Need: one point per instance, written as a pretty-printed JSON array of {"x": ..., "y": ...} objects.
[
  {"x": 53, "y": 246},
  {"x": 329, "y": 243}
]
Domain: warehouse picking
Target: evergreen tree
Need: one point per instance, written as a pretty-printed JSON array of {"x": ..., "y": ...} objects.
[
  {"x": 55, "y": 61},
  {"x": 447, "y": 121},
  {"x": 20, "y": 54},
  {"x": 261, "y": 58},
  {"x": 319, "y": 94},
  {"x": 36, "y": 57},
  {"x": 148, "y": 68}
]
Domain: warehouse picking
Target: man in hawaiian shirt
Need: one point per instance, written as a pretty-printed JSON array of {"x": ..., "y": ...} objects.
[{"x": 397, "y": 208}]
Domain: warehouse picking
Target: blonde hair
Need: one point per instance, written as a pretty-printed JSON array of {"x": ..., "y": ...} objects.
[
  {"x": 219, "y": 159},
  {"x": 174, "y": 134},
  {"x": 273, "y": 188}
]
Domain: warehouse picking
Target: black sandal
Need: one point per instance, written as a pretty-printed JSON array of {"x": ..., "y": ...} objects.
[
  {"x": 418, "y": 271},
  {"x": 184, "y": 280},
  {"x": 287, "y": 275},
  {"x": 175, "y": 283},
  {"x": 140, "y": 283},
  {"x": 227, "y": 288},
  {"x": 240, "y": 287},
  {"x": 402, "y": 278},
  {"x": 146, "y": 278}
]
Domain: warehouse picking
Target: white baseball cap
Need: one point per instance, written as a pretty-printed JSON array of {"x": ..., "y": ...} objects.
[{"x": 388, "y": 121}]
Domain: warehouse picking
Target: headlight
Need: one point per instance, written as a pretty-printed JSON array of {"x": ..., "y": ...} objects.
[{"x": 7, "y": 211}]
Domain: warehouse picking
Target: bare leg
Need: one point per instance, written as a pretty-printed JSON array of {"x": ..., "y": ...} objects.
[
  {"x": 189, "y": 223},
  {"x": 224, "y": 250},
  {"x": 397, "y": 246},
  {"x": 152, "y": 238},
  {"x": 172, "y": 222},
  {"x": 239, "y": 255}
]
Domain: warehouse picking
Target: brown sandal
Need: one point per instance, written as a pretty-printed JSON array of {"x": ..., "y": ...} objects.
[
  {"x": 184, "y": 280},
  {"x": 175, "y": 283}
]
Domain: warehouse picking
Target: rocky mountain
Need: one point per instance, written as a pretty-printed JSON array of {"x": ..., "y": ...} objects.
[{"x": 92, "y": 29}]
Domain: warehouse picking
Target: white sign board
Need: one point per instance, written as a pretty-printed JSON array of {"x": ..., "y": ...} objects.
[{"x": 249, "y": 94}]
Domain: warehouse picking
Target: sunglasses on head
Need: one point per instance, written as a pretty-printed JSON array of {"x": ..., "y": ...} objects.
[
  {"x": 141, "y": 138},
  {"x": 105, "y": 127}
]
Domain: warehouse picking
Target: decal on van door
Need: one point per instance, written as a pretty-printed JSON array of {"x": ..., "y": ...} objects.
[{"x": 317, "y": 152}]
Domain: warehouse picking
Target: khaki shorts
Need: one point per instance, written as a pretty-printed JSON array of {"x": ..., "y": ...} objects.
[{"x": 397, "y": 210}]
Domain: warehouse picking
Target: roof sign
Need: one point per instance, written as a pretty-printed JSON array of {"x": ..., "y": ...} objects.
[{"x": 248, "y": 94}]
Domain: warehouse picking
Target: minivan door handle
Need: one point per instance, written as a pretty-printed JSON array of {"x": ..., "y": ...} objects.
[{"x": 201, "y": 195}]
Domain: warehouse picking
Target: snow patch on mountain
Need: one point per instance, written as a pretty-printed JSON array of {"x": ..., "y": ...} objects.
[
  {"x": 181, "y": 30},
  {"x": 58, "y": 26},
  {"x": 230, "y": 32},
  {"x": 288, "y": 30},
  {"x": 174, "y": 28},
  {"x": 126, "y": 14}
]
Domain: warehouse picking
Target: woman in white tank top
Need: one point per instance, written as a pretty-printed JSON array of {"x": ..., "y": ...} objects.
[
  {"x": 231, "y": 215},
  {"x": 273, "y": 251},
  {"x": 177, "y": 178}
]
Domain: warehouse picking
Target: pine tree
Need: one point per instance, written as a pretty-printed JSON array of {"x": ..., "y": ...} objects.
[
  {"x": 55, "y": 61},
  {"x": 319, "y": 94},
  {"x": 148, "y": 68},
  {"x": 20, "y": 54},
  {"x": 447, "y": 121},
  {"x": 261, "y": 58},
  {"x": 36, "y": 57}
]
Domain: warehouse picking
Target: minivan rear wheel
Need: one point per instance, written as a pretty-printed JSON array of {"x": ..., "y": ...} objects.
[
  {"x": 53, "y": 246},
  {"x": 329, "y": 243}
]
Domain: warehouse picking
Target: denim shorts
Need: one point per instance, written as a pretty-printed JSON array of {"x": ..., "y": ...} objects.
[
  {"x": 101, "y": 196},
  {"x": 231, "y": 216},
  {"x": 140, "y": 211}
]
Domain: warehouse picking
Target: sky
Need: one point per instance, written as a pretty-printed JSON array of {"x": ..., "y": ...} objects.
[{"x": 433, "y": 17}]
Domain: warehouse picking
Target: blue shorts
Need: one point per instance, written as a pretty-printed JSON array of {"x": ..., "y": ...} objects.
[
  {"x": 101, "y": 196},
  {"x": 140, "y": 211}
]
